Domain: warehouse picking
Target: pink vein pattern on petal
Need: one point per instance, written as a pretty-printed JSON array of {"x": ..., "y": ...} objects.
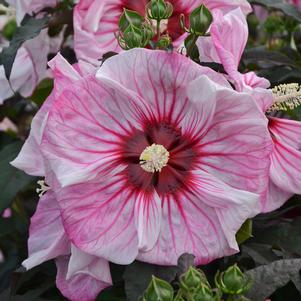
[
  {"x": 82, "y": 286},
  {"x": 86, "y": 128},
  {"x": 46, "y": 223},
  {"x": 99, "y": 218},
  {"x": 224, "y": 150}
]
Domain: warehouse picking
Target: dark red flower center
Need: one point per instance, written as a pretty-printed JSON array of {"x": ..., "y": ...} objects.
[{"x": 182, "y": 154}]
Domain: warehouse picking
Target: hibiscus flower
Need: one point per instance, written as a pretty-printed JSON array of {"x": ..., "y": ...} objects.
[
  {"x": 96, "y": 22},
  {"x": 155, "y": 158}
]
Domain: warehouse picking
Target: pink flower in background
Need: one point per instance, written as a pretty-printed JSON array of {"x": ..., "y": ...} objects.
[
  {"x": 154, "y": 158},
  {"x": 96, "y": 22},
  {"x": 7, "y": 213},
  {"x": 7, "y": 125},
  {"x": 24, "y": 7},
  {"x": 296, "y": 3},
  {"x": 28, "y": 69},
  {"x": 227, "y": 41}
]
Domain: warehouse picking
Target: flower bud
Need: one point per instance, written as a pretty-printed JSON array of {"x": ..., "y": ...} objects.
[
  {"x": 130, "y": 17},
  {"x": 233, "y": 281},
  {"x": 205, "y": 293},
  {"x": 164, "y": 42},
  {"x": 192, "y": 279},
  {"x": 200, "y": 20},
  {"x": 159, "y": 10},
  {"x": 158, "y": 290}
]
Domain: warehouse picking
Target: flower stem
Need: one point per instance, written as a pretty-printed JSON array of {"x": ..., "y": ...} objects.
[
  {"x": 192, "y": 44},
  {"x": 158, "y": 30}
]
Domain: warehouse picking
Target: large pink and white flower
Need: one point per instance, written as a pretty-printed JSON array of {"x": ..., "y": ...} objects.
[
  {"x": 155, "y": 158},
  {"x": 227, "y": 48},
  {"x": 96, "y": 22}
]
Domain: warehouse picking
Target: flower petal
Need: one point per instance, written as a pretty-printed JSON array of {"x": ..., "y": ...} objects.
[
  {"x": 230, "y": 49},
  {"x": 232, "y": 206},
  {"x": 83, "y": 263},
  {"x": 286, "y": 167},
  {"x": 30, "y": 159},
  {"x": 275, "y": 198},
  {"x": 95, "y": 24},
  {"x": 188, "y": 226},
  {"x": 148, "y": 216},
  {"x": 286, "y": 130},
  {"x": 237, "y": 147},
  {"x": 165, "y": 90},
  {"x": 83, "y": 286},
  {"x": 106, "y": 226},
  {"x": 86, "y": 129},
  {"x": 46, "y": 223}
]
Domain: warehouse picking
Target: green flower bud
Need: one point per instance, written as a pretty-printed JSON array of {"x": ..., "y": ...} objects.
[
  {"x": 159, "y": 10},
  {"x": 130, "y": 17},
  {"x": 192, "y": 279},
  {"x": 159, "y": 290},
  {"x": 233, "y": 281},
  {"x": 133, "y": 36},
  {"x": 205, "y": 293},
  {"x": 164, "y": 42},
  {"x": 200, "y": 20}
]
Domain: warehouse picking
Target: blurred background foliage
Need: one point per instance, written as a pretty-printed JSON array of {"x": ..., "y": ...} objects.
[{"x": 270, "y": 244}]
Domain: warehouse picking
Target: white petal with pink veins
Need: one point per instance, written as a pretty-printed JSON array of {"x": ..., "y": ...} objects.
[
  {"x": 286, "y": 167},
  {"x": 83, "y": 263},
  {"x": 188, "y": 226},
  {"x": 148, "y": 217},
  {"x": 47, "y": 238},
  {"x": 30, "y": 158},
  {"x": 82, "y": 286},
  {"x": 85, "y": 130},
  {"x": 237, "y": 146},
  {"x": 99, "y": 218},
  {"x": 287, "y": 131}
]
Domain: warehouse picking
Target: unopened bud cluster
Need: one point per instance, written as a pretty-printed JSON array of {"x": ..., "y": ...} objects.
[
  {"x": 151, "y": 30},
  {"x": 133, "y": 31},
  {"x": 193, "y": 285}
]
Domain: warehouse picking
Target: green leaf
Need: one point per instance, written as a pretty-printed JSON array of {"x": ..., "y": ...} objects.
[
  {"x": 12, "y": 180},
  {"x": 268, "y": 278},
  {"x": 261, "y": 54},
  {"x": 29, "y": 29},
  {"x": 138, "y": 275},
  {"x": 284, "y": 235},
  {"x": 42, "y": 91},
  {"x": 245, "y": 232},
  {"x": 286, "y": 8}
]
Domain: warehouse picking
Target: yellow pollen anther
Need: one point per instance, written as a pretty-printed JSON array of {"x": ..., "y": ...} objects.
[
  {"x": 286, "y": 97},
  {"x": 154, "y": 158}
]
